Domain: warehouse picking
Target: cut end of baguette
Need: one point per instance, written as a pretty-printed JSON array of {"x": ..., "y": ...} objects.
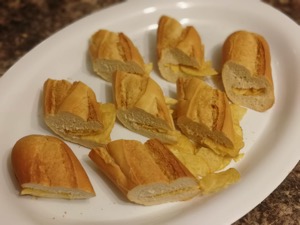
[
  {"x": 203, "y": 111},
  {"x": 160, "y": 178},
  {"x": 46, "y": 167},
  {"x": 54, "y": 192},
  {"x": 202, "y": 135},
  {"x": 204, "y": 115},
  {"x": 108, "y": 114},
  {"x": 75, "y": 115},
  {"x": 180, "y": 51},
  {"x": 247, "y": 72},
  {"x": 181, "y": 189},
  {"x": 142, "y": 108},
  {"x": 106, "y": 68},
  {"x": 141, "y": 122},
  {"x": 244, "y": 89},
  {"x": 70, "y": 124},
  {"x": 111, "y": 51}
]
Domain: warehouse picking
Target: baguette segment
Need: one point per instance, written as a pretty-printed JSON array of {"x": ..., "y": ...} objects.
[
  {"x": 111, "y": 51},
  {"x": 158, "y": 179},
  {"x": 246, "y": 72},
  {"x": 72, "y": 112},
  {"x": 204, "y": 115},
  {"x": 141, "y": 107},
  {"x": 180, "y": 51},
  {"x": 46, "y": 167}
]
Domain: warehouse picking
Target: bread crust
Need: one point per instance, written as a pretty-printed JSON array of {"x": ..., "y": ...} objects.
[
  {"x": 171, "y": 34},
  {"x": 110, "y": 51},
  {"x": 246, "y": 72},
  {"x": 71, "y": 111},
  {"x": 180, "y": 51},
  {"x": 160, "y": 178},
  {"x": 203, "y": 113},
  {"x": 141, "y": 106},
  {"x": 46, "y": 167}
]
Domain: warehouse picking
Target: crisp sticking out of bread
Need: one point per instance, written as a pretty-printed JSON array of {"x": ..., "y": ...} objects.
[
  {"x": 246, "y": 72},
  {"x": 147, "y": 174},
  {"x": 204, "y": 115},
  {"x": 46, "y": 167},
  {"x": 180, "y": 51},
  {"x": 72, "y": 111},
  {"x": 141, "y": 106},
  {"x": 110, "y": 51}
]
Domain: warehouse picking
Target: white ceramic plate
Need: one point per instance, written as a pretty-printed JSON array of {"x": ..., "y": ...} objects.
[{"x": 272, "y": 138}]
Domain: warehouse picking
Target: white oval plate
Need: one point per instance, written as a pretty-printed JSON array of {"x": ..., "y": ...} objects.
[{"x": 272, "y": 138}]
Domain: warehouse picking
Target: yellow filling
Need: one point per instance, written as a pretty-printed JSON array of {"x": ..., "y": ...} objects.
[
  {"x": 249, "y": 91},
  {"x": 44, "y": 193},
  {"x": 108, "y": 114}
]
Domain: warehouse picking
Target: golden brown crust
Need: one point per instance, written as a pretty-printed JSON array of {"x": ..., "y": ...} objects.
[
  {"x": 61, "y": 96},
  {"x": 180, "y": 51},
  {"x": 127, "y": 155},
  {"x": 203, "y": 112},
  {"x": 172, "y": 36},
  {"x": 47, "y": 165},
  {"x": 247, "y": 73},
  {"x": 54, "y": 94},
  {"x": 72, "y": 111},
  {"x": 166, "y": 38},
  {"x": 111, "y": 51},
  {"x": 141, "y": 106},
  {"x": 172, "y": 167},
  {"x": 251, "y": 50},
  {"x": 129, "y": 51},
  {"x": 108, "y": 45},
  {"x": 148, "y": 182}
]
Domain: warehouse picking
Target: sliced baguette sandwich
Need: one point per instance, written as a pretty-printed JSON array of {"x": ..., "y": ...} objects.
[
  {"x": 72, "y": 112},
  {"x": 142, "y": 108},
  {"x": 110, "y": 51},
  {"x": 246, "y": 72},
  {"x": 204, "y": 115},
  {"x": 46, "y": 167},
  {"x": 146, "y": 174},
  {"x": 180, "y": 51}
]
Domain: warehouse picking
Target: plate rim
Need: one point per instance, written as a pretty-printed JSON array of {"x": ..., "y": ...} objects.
[{"x": 10, "y": 72}]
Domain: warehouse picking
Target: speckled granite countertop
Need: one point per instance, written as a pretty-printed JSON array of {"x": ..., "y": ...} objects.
[{"x": 23, "y": 24}]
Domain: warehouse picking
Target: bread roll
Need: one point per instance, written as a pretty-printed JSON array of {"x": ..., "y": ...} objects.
[
  {"x": 180, "y": 51},
  {"x": 110, "y": 51},
  {"x": 204, "y": 115},
  {"x": 72, "y": 112},
  {"x": 46, "y": 167},
  {"x": 141, "y": 107},
  {"x": 147, "y": 174},
  {"x": 246, "y": 73}
]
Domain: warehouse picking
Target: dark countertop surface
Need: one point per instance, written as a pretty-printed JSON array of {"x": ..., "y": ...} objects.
[{"x": 24, "y": 24}]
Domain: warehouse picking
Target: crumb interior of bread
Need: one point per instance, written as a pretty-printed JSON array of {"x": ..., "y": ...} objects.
[
  {"x": 199, "y": 132},
  {"x": 144, "y": 120},
  {"x": 145, "y": 124},
  {"x": 109, "y": 66},
  {"x": 241, "y": 83},
  {"x": 180, "y": 189},
  {"x": 67, "y": 123}
]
